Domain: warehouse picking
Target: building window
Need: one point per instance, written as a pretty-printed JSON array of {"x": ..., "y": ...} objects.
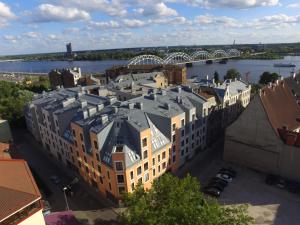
[
  {"x": 182, "y": 133},
  {"x": 164, "y": 165},
  {"x": 139, "y": 170},
  {"x": 174, "y": 138},
  {"x": 121, "y": 190},
  {"x": 119, "y": 166},
  {"x": 153, "y": 161},
  {"x": 109, "y": 186},
  {"x": 146, "y": 166},
  {"x": 84, "y": 158},
  {"x": 182, "y": 152},
  {"x": 186, "y": 150},
  {"x": 77, "y": 153},
  {"x": 120, "y": 179},
  {"x": 99, "y": 168},
  {"x": 96, "y": 144},
  {"x": 144, "y": 142},
  {"x": 182, "y": 143},
  {"x": 192, "y": 137},
  {"x": 174, "y": 149},
  {"x": 83, "y": 148},
  {"x": 75, "y": 142},
  {"x": 193, "y": 126},
  {"x": 159, "y": 168},
  {"x": 163, "y": 155},
  {"x": 97, "y": 157},
  {"x": 101, "y": 180},
  {"x": 158, "y": 158},
  {"x": 86, "y": 169},
  {"x": 108, "y": 175},
  {"x": 145, "y": 154},
  {"x": 146, "y": 177},
  {"x": 187, "y": 141},
  {"x": 182, "y": 123},
  {"x": 131, "y": 175},
  {"x": 174, "y": 126},
  {"x": 73, "y": 131},
  {"x": 132, "y": 186},
  {"x": 174, "y": 159},
  {"x": 140, "y": 180},
  {"x": 153, "y": 172},
  {"x": 81, "y": 137},
  {"x": 71, "y": 149}
]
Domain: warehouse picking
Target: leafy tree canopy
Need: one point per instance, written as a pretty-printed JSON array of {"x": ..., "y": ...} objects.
[
  {"x": 178, "y": 202},
  {"x": 268, "y": 77},
  {"x": 232, "y": 74}
]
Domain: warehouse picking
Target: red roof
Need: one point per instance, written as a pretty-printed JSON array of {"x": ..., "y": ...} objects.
[
  {"x": 17, "y": 187},
  {"x": 281, "y": 106},
  {"x": 289, "y": 137}
]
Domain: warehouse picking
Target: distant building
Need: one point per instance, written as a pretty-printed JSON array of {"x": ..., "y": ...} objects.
[
  {"x": 227, "y": 101},
  {"x": 64, "y": 78},
  {"x": 175, "y": 74},
  {"x": 266, "y": 136},
  {"x": 69, "y": 49},
  {"x": 20, "y": 199}
]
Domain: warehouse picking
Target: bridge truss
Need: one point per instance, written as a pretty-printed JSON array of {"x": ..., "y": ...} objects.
[{"x": 181, "y": 57}]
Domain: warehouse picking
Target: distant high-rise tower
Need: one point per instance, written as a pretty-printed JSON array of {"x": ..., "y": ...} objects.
[{"x": 69, "y": 49}]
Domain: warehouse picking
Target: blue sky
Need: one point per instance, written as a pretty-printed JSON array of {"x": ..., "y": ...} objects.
[{"x": 33, "y": 26}]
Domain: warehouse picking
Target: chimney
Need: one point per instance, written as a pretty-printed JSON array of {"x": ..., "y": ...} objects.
[
  {"x": 179, "y": 89},
  {"x": 100, "y": 107},
  {"x": 131, "y": 105},
  {"x": 83, "y": 104},
  {"x": 140, "y": 105},
  {"x": 168, "y": 106},
  {"x": 104, "y": 118}
]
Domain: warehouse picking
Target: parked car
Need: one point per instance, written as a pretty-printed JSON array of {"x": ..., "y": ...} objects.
[
  {"x": 228, "y": 171},
  {"x": 221, "y": 181},
  {"x": 46, "y": 207},
  {"x": 215, "y": 185},
  {"x": 279, "y": 182},
  {"x": 55, "y": 179},
  {"x": 225, "y": 177},
  {"x": 212, "y": 191}
]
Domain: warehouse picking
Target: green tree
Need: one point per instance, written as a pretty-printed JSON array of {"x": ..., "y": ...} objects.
[
  {"x": 268, "y": 77},
  {"x": 13, "y": 98},
  {"x": 216, "y": 77},
  {"x": 232, "y": 74},
  {"x": 178, "y": 202}
]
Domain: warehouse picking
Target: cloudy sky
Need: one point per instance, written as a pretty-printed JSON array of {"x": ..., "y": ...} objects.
[{"x": 32, "y": 26}]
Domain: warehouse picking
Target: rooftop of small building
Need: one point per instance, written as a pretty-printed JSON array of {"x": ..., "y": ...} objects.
[{"x": 17, "y": 188}]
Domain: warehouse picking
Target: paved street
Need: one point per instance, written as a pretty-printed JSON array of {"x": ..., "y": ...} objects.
[{"x": 28, "y": 149}]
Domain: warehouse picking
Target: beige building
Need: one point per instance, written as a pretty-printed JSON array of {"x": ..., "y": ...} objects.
[{"x": 266, "y": 135}]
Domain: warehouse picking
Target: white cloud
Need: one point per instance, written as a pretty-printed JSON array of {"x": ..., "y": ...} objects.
[
  {"x": 215, "y": 20},
  {"x": 273, "y": 21},
  {"x": 105, "y": 25},
  {"x": 5, "y": 12},
  {"x": 293, "y": 5},
  {"x": 134, "y": 23},
  {"x": 11, "y": 38},
  {"x": 111, "y": 7},
  {"x": 52, "y": 13},
  {"x": 158, "y": 9},
  {"x": 31, "y": 34},
  {"x": 230, "y": 3}
]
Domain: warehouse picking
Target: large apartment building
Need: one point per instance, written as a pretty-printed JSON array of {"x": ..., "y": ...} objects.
[{"x": 115, "y": 145}]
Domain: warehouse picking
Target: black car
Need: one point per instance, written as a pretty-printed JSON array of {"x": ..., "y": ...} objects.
[
  {"x": 215, "y": 179},
  {"x": 228, "y": 171},
  {"x": 212, "y": 191},
  {"x": 217, "y": 182},
  {"x": 216, "y": 185}
]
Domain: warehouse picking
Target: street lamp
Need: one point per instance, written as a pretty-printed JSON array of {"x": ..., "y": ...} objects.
[{"x": 64, "y": 189}]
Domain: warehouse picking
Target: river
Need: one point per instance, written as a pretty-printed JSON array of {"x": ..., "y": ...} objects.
[{"x": 254, "y": 68}]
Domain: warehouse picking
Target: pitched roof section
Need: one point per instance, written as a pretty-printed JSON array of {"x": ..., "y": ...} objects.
[
  {"x": 281, "y": 106},
  {"x": 17, "y": 187}
]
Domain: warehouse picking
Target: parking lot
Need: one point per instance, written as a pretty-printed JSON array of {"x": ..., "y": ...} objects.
[{"x": 267, "y": 204}]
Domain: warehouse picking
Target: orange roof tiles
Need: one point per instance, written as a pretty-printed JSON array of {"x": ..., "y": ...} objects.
[
  {"x": 17, "y": 187},
  {"x": 281, "y": 106}
]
